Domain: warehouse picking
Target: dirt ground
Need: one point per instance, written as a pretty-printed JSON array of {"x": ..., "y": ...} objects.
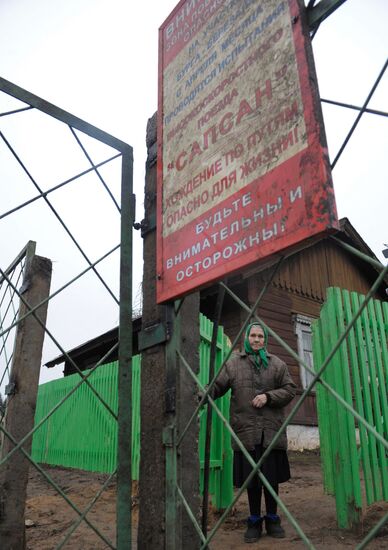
[{"x": 51, "y": 517}]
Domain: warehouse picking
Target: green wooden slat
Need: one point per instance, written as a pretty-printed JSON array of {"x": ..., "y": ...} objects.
[
  {"x": 329, "y": 338},
  {"x": 356, "y": 300},
  {"x": 359, "y": 404},
  {"x": 339, "y": 429},
  {"x": 384, "y": 313},
  {"x": 349, "y": 446},
  {"x": 330, "y": 404},
  {"x": 380, "y": 381},
  {"x": 375, "y": 398},
  {"x": 379, "y": 337},
  {"x": 323, "y": 411},
  {"x": 383, "y": 336}
]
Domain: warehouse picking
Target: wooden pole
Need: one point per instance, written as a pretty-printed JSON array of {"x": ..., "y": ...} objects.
[
  {"x": 168, "y": 397},
  {"x": 19, "y": 419},
  {"x": 152, "y": 469}
]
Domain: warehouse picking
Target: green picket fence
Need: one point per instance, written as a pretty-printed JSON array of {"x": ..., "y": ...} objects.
[
  {"x": 82, "y": 433},
  {"x": 358, "y": 372}
]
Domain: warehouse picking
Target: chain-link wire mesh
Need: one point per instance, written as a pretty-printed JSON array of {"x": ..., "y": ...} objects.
[
  {"x": 316, "y": 378},
  {"x": 65, "y": 183}
]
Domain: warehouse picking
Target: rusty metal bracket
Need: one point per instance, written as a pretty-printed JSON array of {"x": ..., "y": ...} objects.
[
  {"x": 146, "y": 225},
  {"x": 152, "y": 336},
  {"x": 157, "y": 332}
]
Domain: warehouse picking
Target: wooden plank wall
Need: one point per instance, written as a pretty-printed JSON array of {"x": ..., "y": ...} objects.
[{"x": 311, "y": 271}]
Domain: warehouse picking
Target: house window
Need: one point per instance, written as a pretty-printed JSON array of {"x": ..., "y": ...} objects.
[{"x": 305, "y": 348}]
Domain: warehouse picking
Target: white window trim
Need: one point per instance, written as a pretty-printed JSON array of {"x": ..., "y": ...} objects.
[{"x": 300, "y": 321}]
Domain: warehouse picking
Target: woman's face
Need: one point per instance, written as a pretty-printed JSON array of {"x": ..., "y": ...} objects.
[{"x": 256, "y": 338}]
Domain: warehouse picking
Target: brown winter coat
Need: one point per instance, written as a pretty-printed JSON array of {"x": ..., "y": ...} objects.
[{"x": 251, "y": 424}]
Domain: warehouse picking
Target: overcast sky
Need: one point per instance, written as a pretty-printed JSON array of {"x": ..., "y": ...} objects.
[{"x": 98, "y": 60}]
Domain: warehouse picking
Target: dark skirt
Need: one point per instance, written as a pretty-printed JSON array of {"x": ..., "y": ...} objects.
[{"x": 275, "y": 467}]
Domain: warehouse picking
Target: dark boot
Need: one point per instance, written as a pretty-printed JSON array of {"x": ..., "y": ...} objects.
[
  {"x": 273, "y": 527},
  {"x": 254, "y": 529}
]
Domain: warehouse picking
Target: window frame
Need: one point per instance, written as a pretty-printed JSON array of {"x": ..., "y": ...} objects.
[{"x": 300, "y": 321}]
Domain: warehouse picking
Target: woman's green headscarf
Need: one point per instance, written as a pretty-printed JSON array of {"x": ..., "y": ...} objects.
[{"x": 259, "y": 356}]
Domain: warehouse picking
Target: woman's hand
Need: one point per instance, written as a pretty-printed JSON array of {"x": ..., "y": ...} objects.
[{"x": 259, "y": 400}]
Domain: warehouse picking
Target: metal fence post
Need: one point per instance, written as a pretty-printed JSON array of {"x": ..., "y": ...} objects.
[
  {"x": 124, "y": 473},
  {"x": 22, "y": 392}
]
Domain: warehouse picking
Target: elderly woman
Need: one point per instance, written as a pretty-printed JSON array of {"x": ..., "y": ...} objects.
[{"x": 261, "y": 387}]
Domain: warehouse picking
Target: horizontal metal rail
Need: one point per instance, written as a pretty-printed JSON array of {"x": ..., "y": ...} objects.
[{"x": 63, "y": 116}]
